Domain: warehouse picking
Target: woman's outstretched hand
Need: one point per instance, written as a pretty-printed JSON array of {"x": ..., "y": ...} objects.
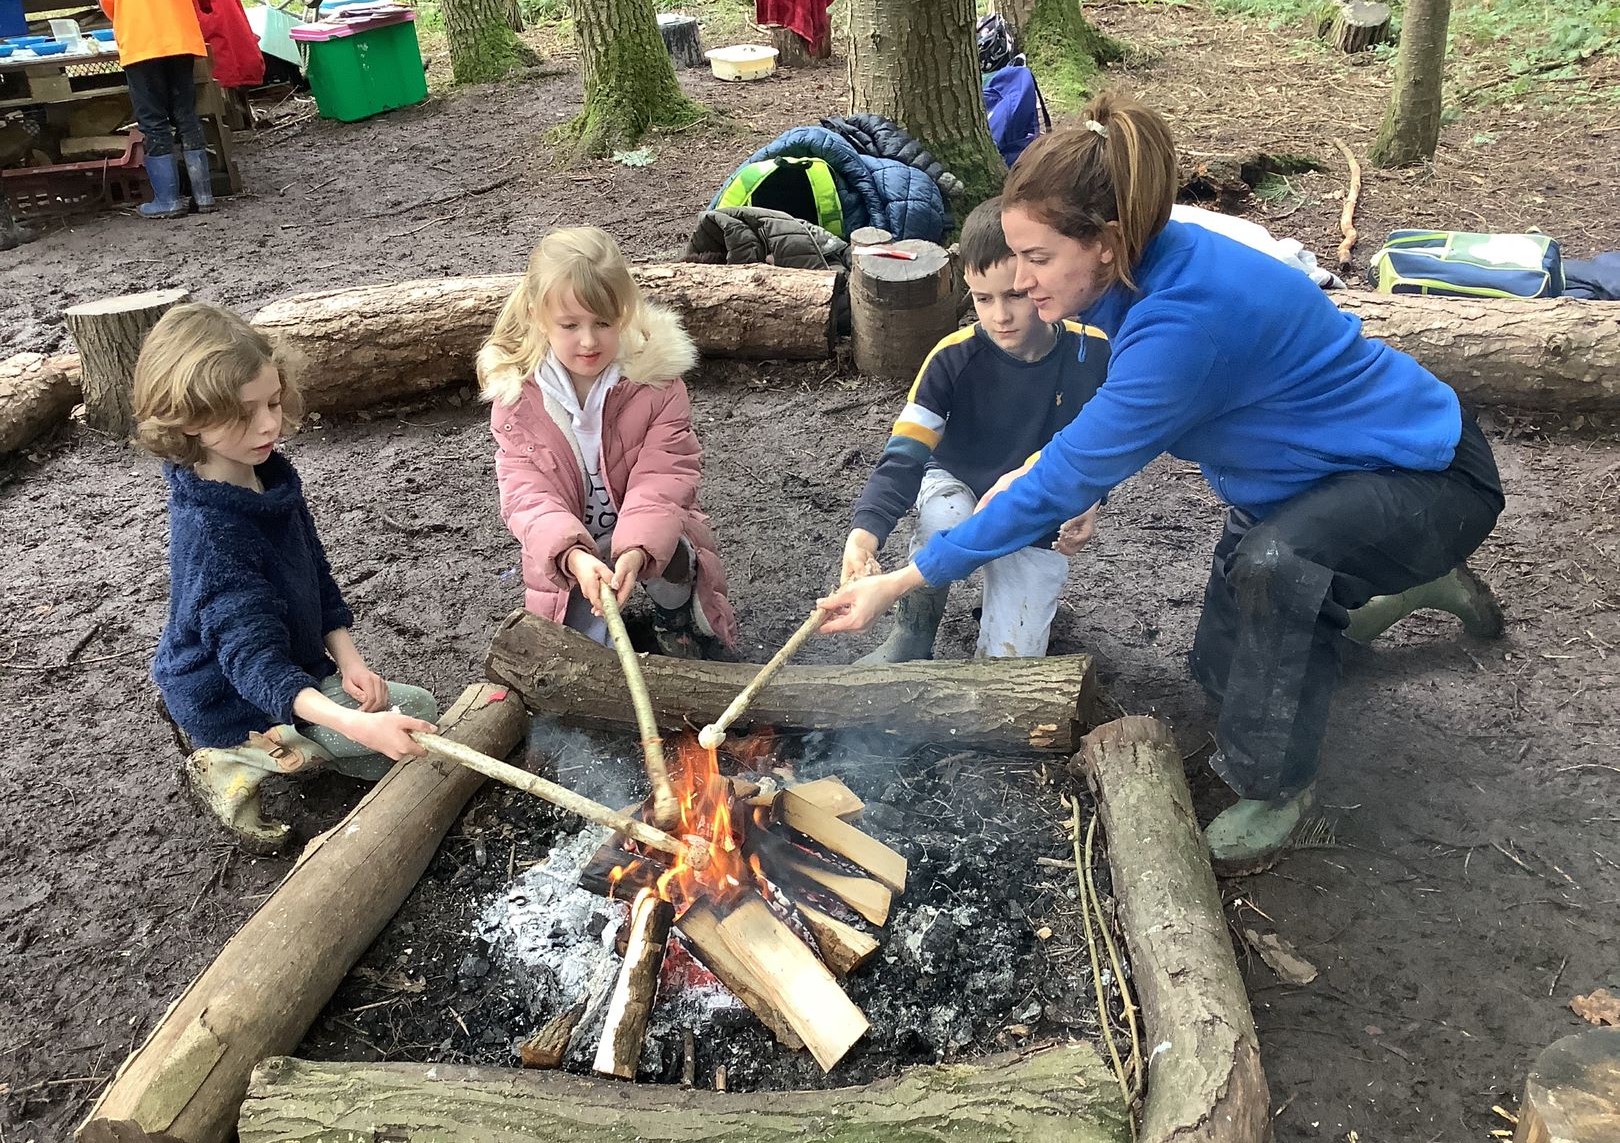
[{"x": 854, "y": 606}]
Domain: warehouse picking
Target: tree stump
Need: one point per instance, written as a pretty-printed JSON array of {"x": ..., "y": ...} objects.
[
  {"x": 791, "y": 50},
  {"x": 109, "y": 334},
  {"x": 1572, "y": 1095},
  {"x": 682, "y": 37},
  {"x": 900, "y": 308},
  {"x": 1357, "y": 25}
]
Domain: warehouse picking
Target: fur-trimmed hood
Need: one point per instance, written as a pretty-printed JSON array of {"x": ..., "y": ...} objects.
[{"x": 652, "y": 352}]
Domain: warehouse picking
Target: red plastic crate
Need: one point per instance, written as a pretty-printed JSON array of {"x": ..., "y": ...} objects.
[{"x": 78, "y": 188}]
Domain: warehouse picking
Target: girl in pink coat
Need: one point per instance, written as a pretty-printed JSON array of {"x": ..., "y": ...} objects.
[{"x": 596, "y": 459}]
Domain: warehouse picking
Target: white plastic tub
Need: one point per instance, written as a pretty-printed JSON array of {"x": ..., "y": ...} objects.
[{"x": 742, "y": 61}]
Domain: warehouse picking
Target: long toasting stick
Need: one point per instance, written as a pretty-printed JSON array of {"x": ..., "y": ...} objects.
[
  {"x": 714, "y": 734},
  {"x": 666, "y": 810}
]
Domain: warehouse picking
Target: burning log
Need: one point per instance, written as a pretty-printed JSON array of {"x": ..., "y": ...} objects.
[
  {"x": 871, "y": 899},
  {"x": 620, "y": 1049},
  {"x": 998, "y": 704},
  {"x": 829, "y": 794},
  {"x": 546, "y": 1048},
  {"x": 765, "y": 963},
  {"x": 837, "y": 836}
]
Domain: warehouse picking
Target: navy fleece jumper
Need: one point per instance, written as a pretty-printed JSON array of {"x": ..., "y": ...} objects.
[
  {"x": 1230, "y": 358},
  {"x": 251, "y": 600}
]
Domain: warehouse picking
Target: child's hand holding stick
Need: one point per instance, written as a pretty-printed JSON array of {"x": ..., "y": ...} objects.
[
  {"x": 666, "y": 810},
  {"x": 714, "y": 734}
]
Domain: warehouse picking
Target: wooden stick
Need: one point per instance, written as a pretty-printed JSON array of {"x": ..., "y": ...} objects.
[
  {"x": 1347, "y": 220},
  {"x": 695, "y": 854},
  {"x": 619, "y": 1051},
  {"x": 666, "y": 811},
  {"x": 715, "y": 733}
]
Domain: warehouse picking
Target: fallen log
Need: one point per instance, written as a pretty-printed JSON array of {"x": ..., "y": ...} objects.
[
  {"x": 355, "y": 347},
  {"x": 1020, "y": 704},
  {"x": 36, "y": 394},
  {"x": 258, "y": 998},
  {"x": 1205, "y": 1083},
  {"x": 1062, "y": 1094},
  {"x": 619, "y": 1051},
  {"x": 1557, "y": 355}
]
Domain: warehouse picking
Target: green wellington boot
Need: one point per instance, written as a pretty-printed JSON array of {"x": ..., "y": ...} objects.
[
  {"x": 1250, "y": 836},
  {"x": 916, "y": 622},
  {"x": 1459, "y": 591},
  {"x": 228, "y": 788}
]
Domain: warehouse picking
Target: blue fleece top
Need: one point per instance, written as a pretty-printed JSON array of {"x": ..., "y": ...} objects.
[
  {"x": 251, "y": 600},
  {"x": 1230, "y": 358}
]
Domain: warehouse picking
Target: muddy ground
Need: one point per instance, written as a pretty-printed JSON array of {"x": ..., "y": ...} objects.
[{"x": 1467, "y": 886}]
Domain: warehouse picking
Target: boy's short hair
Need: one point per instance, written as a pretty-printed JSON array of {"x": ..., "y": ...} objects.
[
  {"x": 983, "y": 245},
  {"x": 190, "y": 376}
]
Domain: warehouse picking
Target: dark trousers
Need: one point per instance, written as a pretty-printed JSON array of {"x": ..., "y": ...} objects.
[
  {"x": 165, "y": 98},
  {"x": 1281, "y": 589}
]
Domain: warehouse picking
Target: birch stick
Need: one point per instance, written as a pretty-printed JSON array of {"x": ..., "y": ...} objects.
[
  {"x": 715, "y": 733},
  {"x": 666, "y": 811}
]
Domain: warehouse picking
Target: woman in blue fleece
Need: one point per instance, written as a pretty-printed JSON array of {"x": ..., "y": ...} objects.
[
  {"x": 1351, "y": 471},
  {"x": 256, "y": 664}
]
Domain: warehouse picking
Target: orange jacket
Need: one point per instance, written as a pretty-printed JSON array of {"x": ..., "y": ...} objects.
[{"x": 152, "y": 29}]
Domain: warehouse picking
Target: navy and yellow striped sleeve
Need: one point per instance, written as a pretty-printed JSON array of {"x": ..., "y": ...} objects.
[{"x": 892, "y": 488}]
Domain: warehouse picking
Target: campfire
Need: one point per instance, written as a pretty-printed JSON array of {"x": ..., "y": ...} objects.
[{"x": 782, "y": 902}]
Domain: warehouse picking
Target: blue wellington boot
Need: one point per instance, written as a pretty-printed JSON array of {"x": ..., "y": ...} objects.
[
  {"x": 202, "y": 182},
  {"x": 164, "y": 171}
]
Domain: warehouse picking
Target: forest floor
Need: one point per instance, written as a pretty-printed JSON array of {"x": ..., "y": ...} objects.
[{"x": 1466, "y": 886}]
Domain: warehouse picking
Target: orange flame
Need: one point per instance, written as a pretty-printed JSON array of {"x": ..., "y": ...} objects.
[{"x": 705, "y": 796}]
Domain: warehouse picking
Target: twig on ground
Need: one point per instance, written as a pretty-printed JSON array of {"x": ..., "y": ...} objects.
[
  {"x": 1104, "y": 1020},
  {"x": 65, "y": 665},
  {"x": 1347, "y": 219}
]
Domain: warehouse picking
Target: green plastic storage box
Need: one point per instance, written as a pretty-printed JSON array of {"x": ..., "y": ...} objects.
[{"x": 365, "y": 67}]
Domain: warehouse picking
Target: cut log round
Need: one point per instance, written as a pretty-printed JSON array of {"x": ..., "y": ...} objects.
[
  {"x": 1206, "y": 1084},
  {"x": 184, "y": 1084},
  {"x": 109, "y": 334},
  {"x": 1572, "y": 1094},
  {"x": 1358, "y": 25},
  {"x": 682, "y": 37},
  {"x": 1063, "y": 1094},
  {"x": 1558, "y": 355},
  {"x": 1019, "y": 704},
  {"x": 356, "y": 347},
  {"x": 36, "y": 395},
  {"x": 899, "y": 308}
]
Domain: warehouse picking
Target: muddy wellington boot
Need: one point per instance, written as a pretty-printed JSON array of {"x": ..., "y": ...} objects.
[
  {"x": 916, "y": 622},
  {"x": 1459, "y": 591},
  {"x": 1250, "y": 836},
  {"x": 227, "y": 787},
  {"x": 163, "y": 171},
  {"x": 675, "y": 630},
  {"x": 201, "y": 180}
]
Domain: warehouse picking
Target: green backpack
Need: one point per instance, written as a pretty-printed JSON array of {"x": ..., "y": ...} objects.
[{"x": 802, "y": 187}]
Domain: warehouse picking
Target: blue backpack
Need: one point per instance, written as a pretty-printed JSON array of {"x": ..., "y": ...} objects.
[
  {"x": 1016, "y": 110},
  {"x": 1458, "y": 264}
]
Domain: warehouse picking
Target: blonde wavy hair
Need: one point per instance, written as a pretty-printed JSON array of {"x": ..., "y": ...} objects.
[
  {"x": 190, "y": 375},
  {"x": 583, "y": 259}
]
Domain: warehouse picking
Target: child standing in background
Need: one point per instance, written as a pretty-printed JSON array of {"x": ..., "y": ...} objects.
[
  {"x": 158, "y": 45},
  {"x": 597, "y": 461},
  {"x": 256, "y": 664}
]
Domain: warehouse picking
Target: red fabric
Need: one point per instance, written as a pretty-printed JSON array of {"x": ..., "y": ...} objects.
[
  {"x": 808, "y": 18},
  {"x": 237, "y": 59}
]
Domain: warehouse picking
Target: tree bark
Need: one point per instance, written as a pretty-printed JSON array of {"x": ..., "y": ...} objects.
[
  {"x": 36, "y": 395},
  {"x": 791, "y": 50},
  {"x": 1357, "y": 25},
  {"x": 1020, "y": 704},
  {"x": 1065, "y": 50},
  {"x": 109, "y": 334},
  {"x": 1411, "y": 128},
  {"x": 1557, "y": 355},
  {"x": 184, "y": 1084},
  {"x": 1063, "y": 1094},
  {"x": 483, "y": 42},
  {"x": 630, "y": 82},
  {"x": 625, "y": 1031},
  {"x": 915, "y": 61},
  {"x": 899, "y": 310},
  {"x": 683, "y": 39},
  {"x": 1572, "y": 1094},
  {"x": 1206, "y": 1085},
  {"x": 352, "y": 348}
]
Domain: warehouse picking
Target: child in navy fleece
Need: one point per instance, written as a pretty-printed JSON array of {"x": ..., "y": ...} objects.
[{"x": 256, "y": 664}]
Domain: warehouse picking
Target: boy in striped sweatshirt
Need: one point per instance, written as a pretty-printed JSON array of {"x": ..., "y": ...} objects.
[{"x": 986, "y": 400}]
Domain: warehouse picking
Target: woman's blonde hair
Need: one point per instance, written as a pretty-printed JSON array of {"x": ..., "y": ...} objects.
[
  {"x": 190, "y": 376},
  {"x": 583, "y": 259},
  {"x": 1120, "y": 167}
]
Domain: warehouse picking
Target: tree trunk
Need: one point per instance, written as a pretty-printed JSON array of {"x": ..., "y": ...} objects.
[
  {"x": 1557, "y": 355},
  {"x": 109, "y": 334},
  {"x": 630, "y": 82},
  {"x": 36, "y": 395},
  {"x": 1060, "y": 1095},
  {"x": 915, "y": 61},
  {"x": 1020, "y": 704},
  {"x": 184, "y": 1084},
  {"x": 514, "y": 16},
  {"x": 1411, "y": 127},
  {"x": 899, "y": 310},
  {"x": 1065, "y": 50},
  {"x": 1572, "y": 1094},
  {"x": 1206, "y": 1084},
  {"x": 352, "y": 348},
  {"x": 483, "y": 43}
]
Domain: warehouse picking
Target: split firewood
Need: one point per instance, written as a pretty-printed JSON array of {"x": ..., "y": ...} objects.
[
  {"x": 829, "y": 794},
  {"x": 844, "y": 947},
  {"x": 1347, "y": 218},
  {"x": 545, "y": 1049},
  {"x": 715, "y": 733},
  {"x": 871, "y": 899},
  {"x": 625, "y": 1030},
  {"x": 839, "y": 837},
  {"x": 666, "y": 810}
]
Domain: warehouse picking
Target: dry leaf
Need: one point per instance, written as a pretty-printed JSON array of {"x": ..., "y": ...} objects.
[
  {"x": 1599, "y": 1007},
  {"x": 1281, "y": 957}
]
